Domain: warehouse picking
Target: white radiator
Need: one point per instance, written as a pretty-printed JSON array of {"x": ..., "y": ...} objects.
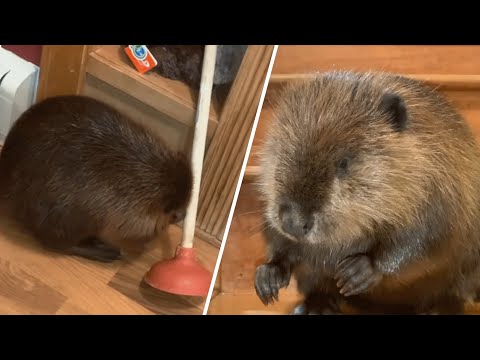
[{"x": 18, "y": 88}]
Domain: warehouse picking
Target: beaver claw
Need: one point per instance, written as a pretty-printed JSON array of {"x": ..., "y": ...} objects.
[
  {"x": 96, "y": 250},
  {"x": 269, "y": 279},
  {"x": 356, "y": 275}
]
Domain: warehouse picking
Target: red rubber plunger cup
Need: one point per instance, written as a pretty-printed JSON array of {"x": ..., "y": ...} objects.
[{"x": 183, "y": 274}]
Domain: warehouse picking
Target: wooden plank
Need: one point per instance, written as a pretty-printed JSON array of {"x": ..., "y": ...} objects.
[
  {"x": 250, "y": 304},
  {"x": 409, "y": 59},
  {"x": 20, "y": 291},
  {"x": 173, "y": 98},
  {"x": 229, "y": 126},
  {"x": 62, "y": 70},
  {"x": 218, "y": 214},
  {"x": 227, "y": 149}
]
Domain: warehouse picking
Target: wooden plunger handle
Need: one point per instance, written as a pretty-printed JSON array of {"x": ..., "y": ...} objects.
[{"x": 199, "y": 138}]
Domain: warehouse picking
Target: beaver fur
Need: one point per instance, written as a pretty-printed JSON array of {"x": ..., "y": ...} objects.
[
  {"x": 86, "y": 180},
  {"x": 371, "y": 184}
]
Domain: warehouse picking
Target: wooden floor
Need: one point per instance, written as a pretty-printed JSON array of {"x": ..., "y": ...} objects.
[
  {"x": 35, "y": 281},
  {"x": 248, "y": 304}
]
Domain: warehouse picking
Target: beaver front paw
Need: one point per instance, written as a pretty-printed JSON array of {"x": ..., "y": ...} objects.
[
  {"x": 356, "y": 275},
  {"x": 269, "y": 279},
  {"x": 96, "y": 250}
]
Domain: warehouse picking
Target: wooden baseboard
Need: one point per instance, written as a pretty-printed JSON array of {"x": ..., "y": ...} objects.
[{"x": 209, "y": 238}]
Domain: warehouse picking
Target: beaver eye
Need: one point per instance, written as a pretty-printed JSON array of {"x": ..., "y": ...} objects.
[{"x": 343, "y": 165}]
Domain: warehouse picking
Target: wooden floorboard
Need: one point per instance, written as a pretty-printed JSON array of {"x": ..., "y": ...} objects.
[
  {"x": 20, "y": 291},
  {"x": 35, "y": 281},
  {"x": 248, "y": 303}
]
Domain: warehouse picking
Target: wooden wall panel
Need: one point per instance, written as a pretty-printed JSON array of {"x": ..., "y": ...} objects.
[
  {"x": 62, "y": 70},
  {"x": 411, "y": 59},
  {"x": 226, "y": 152}
]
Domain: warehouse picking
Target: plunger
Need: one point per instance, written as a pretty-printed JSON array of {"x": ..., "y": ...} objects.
[{"x": 184, "y": 275}]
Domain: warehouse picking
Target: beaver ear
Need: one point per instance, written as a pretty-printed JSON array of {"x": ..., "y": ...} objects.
[{"x": 396, "y": 110}]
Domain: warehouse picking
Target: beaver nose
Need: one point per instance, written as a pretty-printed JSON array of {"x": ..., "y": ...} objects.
[{"x": 293, "y": 221}]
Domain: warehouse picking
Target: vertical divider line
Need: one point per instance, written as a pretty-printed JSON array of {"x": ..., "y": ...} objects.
[{"x": 240, "y": 180}]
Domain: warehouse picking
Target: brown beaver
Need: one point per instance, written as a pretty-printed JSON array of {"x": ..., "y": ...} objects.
[
  {"x": 372, "y": 189},
  {"x": 86, "y": 180}
]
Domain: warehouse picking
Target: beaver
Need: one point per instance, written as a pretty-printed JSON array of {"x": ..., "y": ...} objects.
[
  {"x": 84, "y": 179},
  {"x": 184, "y": 63},
  {"x": 371, "y": 186}
]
